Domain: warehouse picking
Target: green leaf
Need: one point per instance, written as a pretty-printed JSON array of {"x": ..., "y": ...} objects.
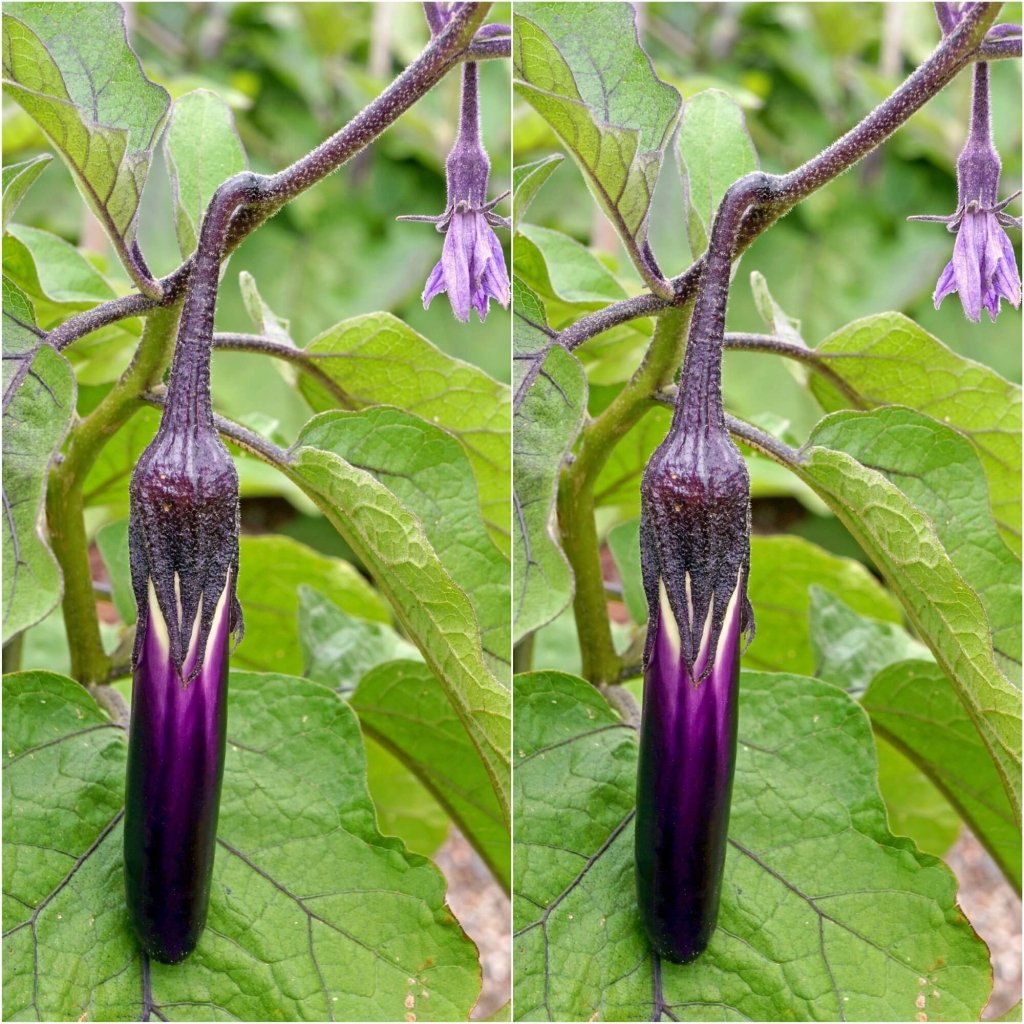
[
  {"x": 203, "y": 150},
  {"x": 527, "y": 180},
  {"x": 50, "y": 268},
  {"x": 890, "y": 360},
  {"x": 401, "y": 705},
  {"x": 715, "y": 149},
  {"x": 39, "y": 401},
  {"x": 624, "y": 544},
  {"x": 824, "y": 915},
  {"x": 558, "y": 267},
  {"x": 582, "y": 68},
  {"x": 427, "y": 470},
  {"x": 339, "y": 649},
  {"x": 112, "y": 541},
  {"x": 939, "y": 471},
  {"x": 72, "y": 70},
  {"x": 433, "y": 611},
  {"x": 914, "y": 707},
  {"x": 405, "y": 808},
  {"x": 850, "y": 649},
  {"x": 271, "y": 570},
  {"x": 17, "y": 180},
  {"x": 549, "y": 414},
  {"x": 266, "y": 321},
  {"x": 378, "y": 360},
  {"x": 313, "y": 914},
  {"x": 618, "y": 483},
  {"x": 914, "y": 807},
  {"x": 944, "y": 610}
]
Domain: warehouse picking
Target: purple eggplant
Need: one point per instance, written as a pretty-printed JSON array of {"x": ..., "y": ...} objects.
[
  {"x": 183, "y": 546},
  {"x": 175, "y": 764},
  {"x": 695, "y": 557}
]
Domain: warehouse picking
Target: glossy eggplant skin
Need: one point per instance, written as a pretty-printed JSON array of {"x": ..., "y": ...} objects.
[
  {"x": 176, "y": 745},
  {"x": 684, "y": 783}
]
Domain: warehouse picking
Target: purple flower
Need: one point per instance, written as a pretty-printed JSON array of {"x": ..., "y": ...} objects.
[
  {"x": 472, "y": 266},
  {"x": 983, "y": 270}
]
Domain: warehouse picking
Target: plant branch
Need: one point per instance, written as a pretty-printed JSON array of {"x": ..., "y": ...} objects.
[
  {"x": 306, "y": 361},
  {"x": 818, "y": 361},
  {"x": 271, "y": 192},
  {"x": 955, "y": 52},
  {"x": 601, "y": 663}
]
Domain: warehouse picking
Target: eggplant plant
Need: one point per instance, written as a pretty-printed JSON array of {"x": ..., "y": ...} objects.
[
  {"x": 197, "y": 823},
  {"x": 696, "y": 840}
]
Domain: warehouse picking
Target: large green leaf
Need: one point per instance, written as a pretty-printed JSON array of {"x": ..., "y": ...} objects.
[
  {"x": 71, "y": 68},
  {"x": 50, "y": 268},
  {"x": 913, "y": 706},
  {"x": 890, "y": 360},
  {"x": 558, "y": 268},
  {"x": 39, "y": 401},
  {"x": 434, "y": 612},
  {"x": 313, "y": 914},
  {"x": 271, "y": 571},
  {"x": 824, "y": 916},
  {"x": 203, "y": 150},
  {"x": 378, "y": 360},
  {"x": 849, "y": 649},
  {"x": 715, "y": 149},
  {"x": 427, "y": 470},
  {"x": 581, "y": 67},
  {"x": 527, "y": 180},
  {"x": 549, "y": 414},
  {"x": 939, "y": 471},
  {"x": 401, "y": 705},
  {"x": 947, "y": 614},
  {"x": 338, "y": 649},
  {"x": 17, "y": 179}
]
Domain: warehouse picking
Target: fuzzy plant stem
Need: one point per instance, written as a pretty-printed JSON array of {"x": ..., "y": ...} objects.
[
  {"x": 444, "y": 52},
  {"x": 952, "y": 55}
]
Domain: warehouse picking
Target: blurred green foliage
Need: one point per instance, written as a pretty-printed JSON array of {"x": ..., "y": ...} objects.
[
  {"x": 294, "y": 73},
  {"x": 805, "y": 73}
]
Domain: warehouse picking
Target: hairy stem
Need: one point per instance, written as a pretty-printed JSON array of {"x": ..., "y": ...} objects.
[
  {"x": 444, "y": 52},
  {"x": 955, "y": 52},
  {"x": 305, "y": 361},
  {"x": 65, "y": 505}
]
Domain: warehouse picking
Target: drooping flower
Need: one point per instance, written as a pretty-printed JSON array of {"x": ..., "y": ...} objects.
[
  {"x": 472, "y": 266},
  {"x": 983, "y": 270}
]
